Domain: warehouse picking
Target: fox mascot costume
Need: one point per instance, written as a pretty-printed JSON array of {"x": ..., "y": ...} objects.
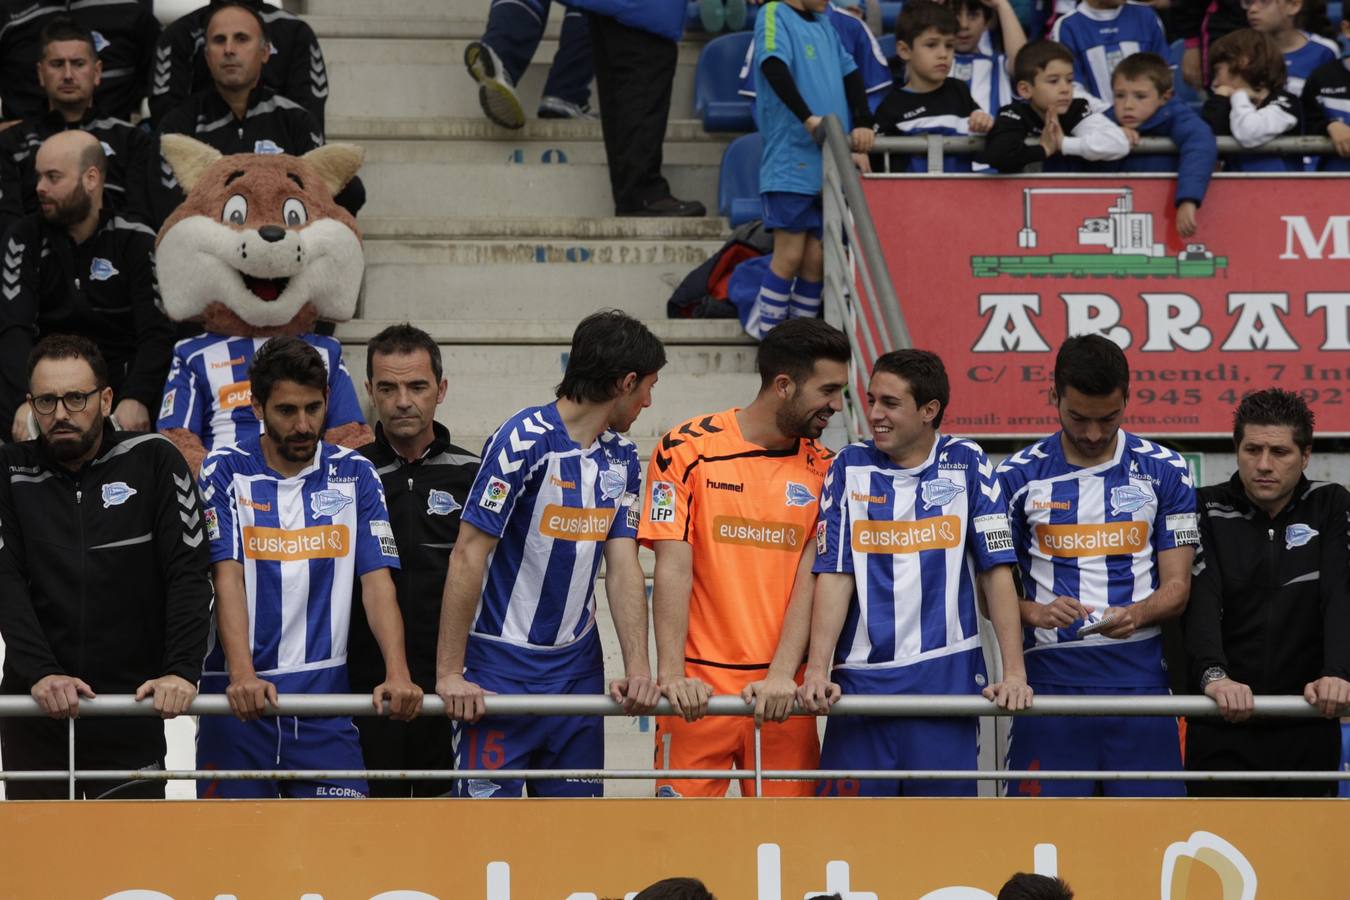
[{"x": 259, "y": 248}]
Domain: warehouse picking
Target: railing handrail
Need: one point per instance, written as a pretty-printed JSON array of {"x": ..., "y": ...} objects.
[
  {"x": 1302, "y": 145},
  {"x": 901, "y": 705}
]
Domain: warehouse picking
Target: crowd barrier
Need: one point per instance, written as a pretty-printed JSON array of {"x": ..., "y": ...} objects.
[{"x": 904, "y": 706}]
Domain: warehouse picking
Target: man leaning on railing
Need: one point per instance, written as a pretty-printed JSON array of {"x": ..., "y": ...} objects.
[{"x": 103, "y": 584}]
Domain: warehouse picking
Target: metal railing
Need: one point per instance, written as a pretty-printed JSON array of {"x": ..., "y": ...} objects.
[
  {"x": 904, "y": 706},
  {"x": 935, "y": 147}
]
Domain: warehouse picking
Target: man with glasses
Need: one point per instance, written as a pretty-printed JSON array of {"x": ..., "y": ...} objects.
[{"x": 82, "y": 508}]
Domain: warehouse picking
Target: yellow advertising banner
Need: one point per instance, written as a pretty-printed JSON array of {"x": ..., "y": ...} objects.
[{"x": 767, "y": 849}]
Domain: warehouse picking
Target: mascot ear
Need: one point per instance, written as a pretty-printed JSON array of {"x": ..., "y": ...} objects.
[
  {"x": 188, "y": 157},
  {"x": 336, "y": 164}
]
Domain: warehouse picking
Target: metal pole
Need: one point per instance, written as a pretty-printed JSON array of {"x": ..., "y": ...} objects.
[
  {"x": 759, "y": 760},
  {"x": 70, "y": 758}
]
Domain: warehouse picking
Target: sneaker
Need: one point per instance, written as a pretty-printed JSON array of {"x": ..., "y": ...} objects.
[
  {"x": 558, "y": 108},
  {"x": 712, "y": 14},
  {"x": 496, "y": 94},
  {"x": 671, "y": 207}
]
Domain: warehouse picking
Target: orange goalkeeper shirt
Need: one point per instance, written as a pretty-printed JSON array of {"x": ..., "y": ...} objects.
[{"x": 748, "y": 513}]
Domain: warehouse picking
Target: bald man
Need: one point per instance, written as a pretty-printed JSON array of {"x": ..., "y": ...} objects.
[
  {"x": 76, "y": 268},
  {"x": 238, "y": 113}
]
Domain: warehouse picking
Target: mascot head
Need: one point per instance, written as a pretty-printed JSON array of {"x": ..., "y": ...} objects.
[{"x": 259, "y": 247}]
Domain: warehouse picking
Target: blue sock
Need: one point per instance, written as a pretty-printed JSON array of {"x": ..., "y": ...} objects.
[
  {"x": 804, "y": 301},
  {"x": 771, "y": 306}
]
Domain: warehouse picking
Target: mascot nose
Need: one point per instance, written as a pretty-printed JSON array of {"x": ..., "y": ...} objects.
[{"x": 271, "y": 233}]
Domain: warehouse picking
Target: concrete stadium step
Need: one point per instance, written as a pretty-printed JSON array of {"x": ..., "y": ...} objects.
[
  {"x": 425, "y": 77},
  {"x": 447, "y": 228},
  {"x": 428, "y": 178},
  {"x": 526, "y": 279}
]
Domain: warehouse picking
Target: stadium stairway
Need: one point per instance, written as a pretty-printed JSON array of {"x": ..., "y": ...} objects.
[{"x": 497, "y": 242}]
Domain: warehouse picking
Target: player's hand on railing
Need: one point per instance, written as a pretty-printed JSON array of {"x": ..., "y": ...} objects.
[
  {"x": 689, "y": 697},
  {"x": 817, "y": 693},
  {"x": 173, "y": 694},
  {"x": 1131, "y": 135},
  {"x": 861, "y": 140},
  {"x": 1329, "y": 694},
  {"x": 1234, "y": 698},
  {"x": 811, "y": 124},
  {"x": 1059, "y": 613},
  {"x": 405, "y": 698},
  {"x": 639, "y": 694},
  {"x": 863, "y": 163},
  {"x": 1339, "y": 132},
  {"x": 463, "y": 699},
  {"x": 773, "y": 698},
  {"x": 1012, "y": 693},
  {"x": 59, "y": 695},
  {"x": 249, "y": 697},
  {"x": 981, "y": 122}
]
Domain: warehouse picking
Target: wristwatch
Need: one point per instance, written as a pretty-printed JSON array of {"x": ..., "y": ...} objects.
[{"x": 1211, "y": 675}]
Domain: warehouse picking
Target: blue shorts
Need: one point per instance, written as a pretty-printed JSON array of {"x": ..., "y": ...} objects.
[
  {"x": 281, "y": 742},
  {"x": 874, "y": 742},
  {"x": 1100, "y": 743},
  {"x": 792, "y": 212},
  {"x": 531, "y": 742}
]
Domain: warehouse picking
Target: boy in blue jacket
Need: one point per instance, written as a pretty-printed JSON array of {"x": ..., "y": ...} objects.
[{"x": 1143, "y": 106}]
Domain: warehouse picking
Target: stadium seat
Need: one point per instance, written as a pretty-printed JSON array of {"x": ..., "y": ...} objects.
[
  {"x": 890, "y": 11},
  {"x": 715, "y": 82},
  {"x": 1334, "y": 9},
  {"x": 1184, "y": 92},
  {"x": 738, "y": 181},
  {"x": 887, "y": 42}
]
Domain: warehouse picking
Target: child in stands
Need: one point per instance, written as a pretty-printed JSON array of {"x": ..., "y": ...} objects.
[
  {"x": 1248, "y": 100},
  {"x": 1048, "y": 109},
  {"x": 1326, "y": 110},
  {"x": 1294, "y": 26},
  {"x": 803, "y": 75},
  {"x": 930, "y": 102},
  {"x": 1143, "y": 106},
  {"x": 982, "y": 63},
  {"x": 1100, "y": 33}
]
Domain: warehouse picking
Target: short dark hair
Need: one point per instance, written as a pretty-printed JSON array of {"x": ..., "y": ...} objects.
[
  {"x": 1025, "y": 886},
  {"x": 918, "y": 16},
  {"x": 218, "y": 5},
  {"x": 403, "y": 338},
  {"x": 1251, "y": 55},
  {"x": 1145, "y": 65},
  {"x": 69, "y": 346},
  {"x": 64, "y": 28},
  {"x": 925, "y": 374},
  {"x": 793, "y": 347},
  {"x": 286, "y": 358},
  {"x": 606, "y": 346},
  {"x": 1275, "y": 407},
  {"x": 1035, "y": 56},
  {"x": 1092, "y": 365},
  {"x": 972, "y": 6},
  {"x": 675, "y": 889}
]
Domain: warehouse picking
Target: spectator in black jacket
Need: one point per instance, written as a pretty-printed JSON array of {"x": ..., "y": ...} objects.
[
  {"x": 103, "y": 563},
  {"x": 295, "y": 69},
  {"x": 69, "y": 72},
  {"x": 426, "y": 484},
  {"x": 1270, "y": 606},
  {"x": 76, "y": 268},
  {"x": 124, "y": 34},
  {"x": 237, "y": 113}
]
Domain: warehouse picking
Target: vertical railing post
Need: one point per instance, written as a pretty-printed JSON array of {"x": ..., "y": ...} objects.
[
  {"x": 759, "y": 759},
  {"x": 70, "y": 758}
]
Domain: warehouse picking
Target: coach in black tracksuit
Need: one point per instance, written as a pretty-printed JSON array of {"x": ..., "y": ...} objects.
[
  {"x": 103, "y": 579},
  {"x": 426, "y": 484},
  {"x": 294, "y": 69},
  {"x": 124, "y": 31},
  {"x": 1269, "y": 611}
]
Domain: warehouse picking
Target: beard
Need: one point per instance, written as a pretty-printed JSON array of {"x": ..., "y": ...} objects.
[
  {"x": 72, "y": 210},
  {"x": 796, "y": 422},
  {"x": 74, "y": 443},
  {"x": 293, "y": 448}
]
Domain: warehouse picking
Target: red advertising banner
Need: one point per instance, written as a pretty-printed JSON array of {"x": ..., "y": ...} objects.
[{"x": 993, "y": 273}]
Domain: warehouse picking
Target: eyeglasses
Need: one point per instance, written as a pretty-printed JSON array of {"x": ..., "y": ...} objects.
[{"x": 73, "y": 401}]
